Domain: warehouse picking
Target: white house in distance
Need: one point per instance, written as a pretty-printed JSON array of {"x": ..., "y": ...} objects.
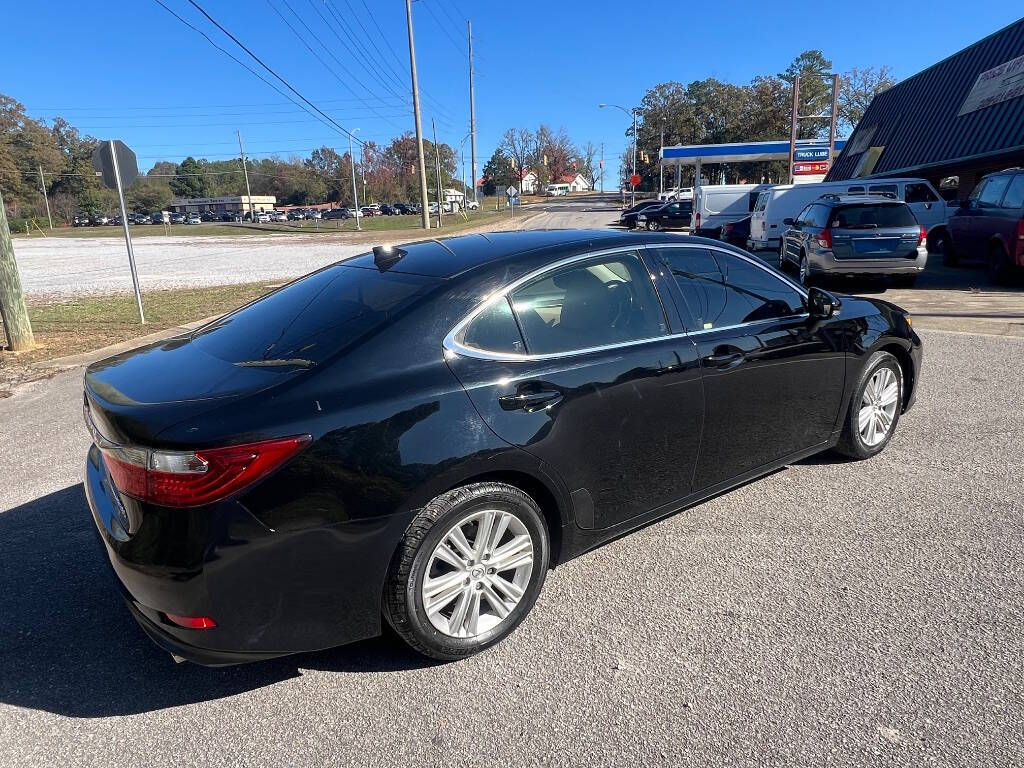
[
  {"x": 575, "y": 181},
  {"x": 529, "y": 183}
]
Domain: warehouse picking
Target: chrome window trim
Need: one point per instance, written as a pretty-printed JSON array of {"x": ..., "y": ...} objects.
[{"x": 453, "y": 348}]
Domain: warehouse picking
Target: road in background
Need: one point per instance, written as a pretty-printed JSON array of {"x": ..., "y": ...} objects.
[{"x": 835, "y": 613}]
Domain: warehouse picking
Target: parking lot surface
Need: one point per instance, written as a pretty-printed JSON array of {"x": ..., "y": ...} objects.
[{"x": 832, "y": 614}]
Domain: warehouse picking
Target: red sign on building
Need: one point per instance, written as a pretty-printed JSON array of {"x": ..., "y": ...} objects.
[{"x": 810, "y": 169}]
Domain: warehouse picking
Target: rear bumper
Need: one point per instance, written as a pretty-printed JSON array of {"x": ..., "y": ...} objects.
[
  {"x": 271, "y": 592},
  {"x": 824, "y": 263},
  {"x": 758, "y": 246}
]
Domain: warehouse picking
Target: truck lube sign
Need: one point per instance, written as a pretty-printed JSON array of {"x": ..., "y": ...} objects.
[
  {"x": 811, "y": 154},
  {"x": 995, "y": 85}
]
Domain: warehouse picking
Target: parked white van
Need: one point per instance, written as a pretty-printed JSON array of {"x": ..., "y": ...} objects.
[
  {"x": 715, "y": 205},
  {"x": 677, "y": 193},
  {"x": 785, "y": 201}
]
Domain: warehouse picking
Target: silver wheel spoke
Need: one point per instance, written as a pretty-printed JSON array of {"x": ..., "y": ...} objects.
[
  {"x": 437, "y": 593},
  {"x": 483, "y": 534},
  {"x": 497, "y": 602},
  {"x": 458, "y": 538},
  {"x": 458, "y": 619},
  {"x": 510, "y": 555},
  {"x": 471, "y": 625},
  {"x": 506, "y": 586},
  {"x": 445, "y": 554},
  {"x": 863, "y": 418},
  {"x": 498, "y": 531},
  {"x": 888, "y": 395}
]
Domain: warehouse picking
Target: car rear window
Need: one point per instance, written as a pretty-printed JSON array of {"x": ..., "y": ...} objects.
[
  {"x": 313, "y": 318},
  {"x": 880, "y": 216},
  {"x": 1014, "y": 197}
]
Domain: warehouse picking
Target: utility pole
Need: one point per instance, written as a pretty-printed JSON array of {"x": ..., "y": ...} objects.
[
  {"x": 42, "y": 183},
  {"x": 425, "y": 206},
  {"x": 835, "y": 119},
  {"x": 245, "y": 172},
  {"x": 472, "y": 110},
  {"x": 661, "y": 168},
  {"x": 602, "y": 167},
  {"x": 792, "y": 125},
  {"x": 437, "y": 165},
  {"x": 12, "y": 301},
  {"x": 355, "y": 196}
]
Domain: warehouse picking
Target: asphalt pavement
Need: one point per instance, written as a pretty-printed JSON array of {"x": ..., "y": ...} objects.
[{"x": 834, "y": 613}]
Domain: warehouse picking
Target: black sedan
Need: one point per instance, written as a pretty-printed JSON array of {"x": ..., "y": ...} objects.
[
  {"x": 674, "y": 215},
  {"x": 416, "y": 435},
  {"x": 736, "y": 232},
  {"x": 628, "y": 217}
]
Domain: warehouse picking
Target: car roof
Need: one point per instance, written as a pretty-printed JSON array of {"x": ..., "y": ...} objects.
[
  {"x": 453, "y": 256},
  {"x": 859, "y": 199}
]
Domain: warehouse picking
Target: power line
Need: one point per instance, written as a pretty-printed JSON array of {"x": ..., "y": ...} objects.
[
  {"x": 290, "y": 87},
  {"x": 441, "y": 26}
]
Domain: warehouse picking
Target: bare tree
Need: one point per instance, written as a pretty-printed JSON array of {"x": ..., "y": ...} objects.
[
  {"x": 520, "y": 145},
  {"x": 589, "y": 159},
  {"x": 856, "y": 91}
]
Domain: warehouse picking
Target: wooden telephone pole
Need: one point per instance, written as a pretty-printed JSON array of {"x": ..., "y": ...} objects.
[{"x": 12, "y": 301}]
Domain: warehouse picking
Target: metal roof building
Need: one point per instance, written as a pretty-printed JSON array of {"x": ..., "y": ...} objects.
[{"x": 961, "y": 117}]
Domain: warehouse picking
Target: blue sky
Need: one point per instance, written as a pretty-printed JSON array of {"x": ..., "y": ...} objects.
[{"x": 132, "y": 71}]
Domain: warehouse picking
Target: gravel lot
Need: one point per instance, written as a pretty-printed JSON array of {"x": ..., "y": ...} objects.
[{"x": 831, "y": 614}]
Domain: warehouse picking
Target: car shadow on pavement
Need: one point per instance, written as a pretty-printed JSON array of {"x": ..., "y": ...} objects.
[{"x": 68, "y": 644}]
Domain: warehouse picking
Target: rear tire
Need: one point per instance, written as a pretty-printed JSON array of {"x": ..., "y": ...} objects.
[
  {"x": 873, "y": 406},
  {"x": 998, "y": 263},
  {"x": 442, "y": 546},
  {"x": 804, "y": 270}
]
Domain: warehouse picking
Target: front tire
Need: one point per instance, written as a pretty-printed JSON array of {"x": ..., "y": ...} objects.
[
  {"x": 468, "y": 570},
  {"x": 874, "y": 408},
  {"x": 653, "y": 226},
  {"x": 804, "y": 270}
]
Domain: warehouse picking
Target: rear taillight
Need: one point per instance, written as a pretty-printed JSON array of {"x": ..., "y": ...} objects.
[
  {"x": 825, "y": 238},
  {"x": 192, "y": 478},
  {"x": 191, "y": 622},
  {"x": 697, "y": 219},
  {"x": 923, "y": 237},
  {"x": 1020, "y": 242}
]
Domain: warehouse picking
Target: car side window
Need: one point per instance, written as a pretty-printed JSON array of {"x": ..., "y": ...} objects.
[
  {"x": 889, "y": 189},
  {"x": 610, "y": 300},
  {"x": 855, "y": 191},
  {"x": 993, "y": 192},
  {"x": 494, "y": 330},
  {"x": 919, "y": 193},
  {"x": 1014, "y": 197},
  {"x": 700, "y": 281},
  {"x": 802, "y": 217},
  {"x": 753, "y": 293},
  {"x": 816, "y": 215}
]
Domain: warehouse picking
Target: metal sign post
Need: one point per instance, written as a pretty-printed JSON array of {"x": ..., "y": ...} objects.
[
  {"x": 107, "y": 162},
  {"x": 510, "y": 193}
]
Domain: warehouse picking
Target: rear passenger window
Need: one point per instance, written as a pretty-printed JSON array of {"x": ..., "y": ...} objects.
[
  {"x": 494, "y": 330},
  {"x": 855, "y": 191},
  {"x": 723, "y": 290},
  {"x": 589, "y": 304},
  {"x": 884, "y": 189},
  {"x": 993, "y": 191},
  {"x": 1014, "y": 197},
  {"x": 700, "y": 280},
  {"x": 919, "y": 193},
  {"x": 816, "y": 215}
]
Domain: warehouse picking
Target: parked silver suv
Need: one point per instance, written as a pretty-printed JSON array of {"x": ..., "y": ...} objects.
[{"x": 855, "y": 235}]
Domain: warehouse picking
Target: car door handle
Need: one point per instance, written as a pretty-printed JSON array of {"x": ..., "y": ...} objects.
[
  {"x": 529, "y": 401},
  {"x": 722, "y": 359}
]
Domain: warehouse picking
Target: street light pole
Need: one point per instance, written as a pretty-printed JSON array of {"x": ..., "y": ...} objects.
[
  {"x": 352, "y": 160},
  {"x": 425, "y": 212},
  {"x": 632, "y": 188}
]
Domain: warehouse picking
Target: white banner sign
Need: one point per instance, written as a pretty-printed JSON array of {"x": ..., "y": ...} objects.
[{"x": 998, "y": 84}]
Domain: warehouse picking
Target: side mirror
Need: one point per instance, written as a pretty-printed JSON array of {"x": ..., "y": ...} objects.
[
  {"x": 789, "y": 222},
  {"x": 821, "y": 304}
]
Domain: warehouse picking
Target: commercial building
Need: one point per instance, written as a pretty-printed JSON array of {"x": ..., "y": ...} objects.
[
  {"x": 962, "y": 118},
  {"x": 228, "y": 204}
]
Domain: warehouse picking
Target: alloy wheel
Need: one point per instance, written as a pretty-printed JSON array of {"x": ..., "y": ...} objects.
[
  {"x": 478, "y": 573},
  {"x": 653, "y": 226},
  {"x": 878, "y": 406},
  {"x": 804, "y": 270}
]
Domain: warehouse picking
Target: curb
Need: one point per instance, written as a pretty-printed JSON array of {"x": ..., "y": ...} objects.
[{"x": 84, "y": 358}]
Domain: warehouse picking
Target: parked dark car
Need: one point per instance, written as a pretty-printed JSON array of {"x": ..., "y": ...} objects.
[
  {"x": 736, "y": 232},
  {"x": 990, "y": 225},
  {"x": 855, "y": 235},
  {"x": 415, "y": 435},
  {"x": 628, "y": 217},
  {"x": 81, "y": 220},
  {"x": 209, "y": 216},
  {"x": 178, "y": 218},
  {"x": 335, "y": 213},
  {"x": 296, "y": 215},
  {"x": 387, "y": 210},
  {"x": 402, "y": 209},
  {"x": 674, "y": 215},
  {"x": 227, "y": 216},
  {"x": 99, "y": 220}
]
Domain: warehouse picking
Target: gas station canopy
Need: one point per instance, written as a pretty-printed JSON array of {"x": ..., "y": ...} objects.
[{"x": 745, "y": 152}]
